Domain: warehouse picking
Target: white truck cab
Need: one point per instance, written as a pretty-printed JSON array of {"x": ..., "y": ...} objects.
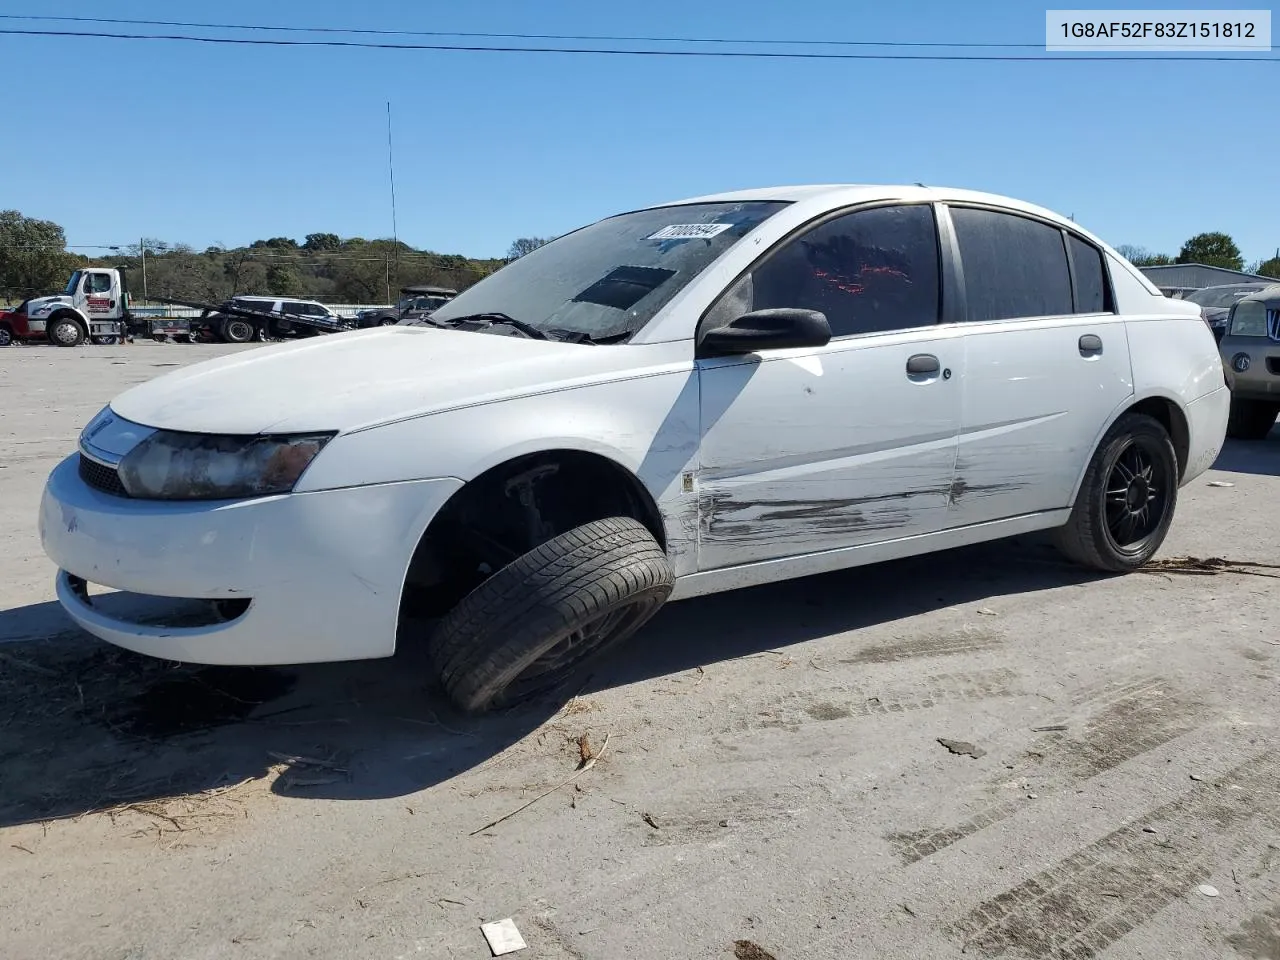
[{"x": 94, "y": 305}]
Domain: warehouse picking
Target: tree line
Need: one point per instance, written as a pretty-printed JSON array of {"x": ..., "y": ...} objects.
[
  {"x": 1212, "y": 249},
  {"x": 324, "y": 266}
]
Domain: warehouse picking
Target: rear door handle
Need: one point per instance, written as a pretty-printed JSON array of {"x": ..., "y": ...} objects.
[
  {"x": 1090, "y": 345},
  {"x": 922, "y": 364}
]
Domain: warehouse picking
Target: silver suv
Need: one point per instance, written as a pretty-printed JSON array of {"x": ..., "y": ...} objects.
[{"x": 1251, "y": 357}]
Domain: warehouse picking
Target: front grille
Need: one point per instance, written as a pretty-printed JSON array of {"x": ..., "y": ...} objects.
[
  {"x": 101, "y": 477},
  {"x": 1273, "y": 324}
]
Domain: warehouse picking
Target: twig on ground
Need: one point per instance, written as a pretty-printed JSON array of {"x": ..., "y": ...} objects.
[{"x": 564, "y": 783}]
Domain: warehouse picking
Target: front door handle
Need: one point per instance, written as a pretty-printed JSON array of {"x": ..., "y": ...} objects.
[
  {"x": 1090, "y": 345},
  {"x": 922, "y": 364}
]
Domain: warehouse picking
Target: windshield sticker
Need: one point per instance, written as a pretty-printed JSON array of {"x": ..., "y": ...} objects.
[{"x": 690, "y": 231}]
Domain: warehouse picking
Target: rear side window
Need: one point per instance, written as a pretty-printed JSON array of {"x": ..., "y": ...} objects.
[
  {"x": 1091, "y": 280},
  {"x": 1013, "y": 266},
  {"x": 868, "y": 271}
]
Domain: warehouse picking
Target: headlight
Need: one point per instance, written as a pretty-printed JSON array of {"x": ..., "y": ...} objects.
[
  {"x": 192, "y": 466},
  {"x": 1249, "y": 319}
]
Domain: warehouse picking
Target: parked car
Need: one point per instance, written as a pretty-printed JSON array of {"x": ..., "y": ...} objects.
[
  {"x": 674, "y": 401},
  {"x": 1251, "y": 355},
  {"x": 416, "y": 302},
  {"x": 281, "y": 317},
  {"x": 1215, "y": 303}
]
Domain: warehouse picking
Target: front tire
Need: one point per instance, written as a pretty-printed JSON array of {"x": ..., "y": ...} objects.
[
  {"x": 1126, "y": 500},
  {"x": 6, "y": 337},
  {"x": 1251, "y": 419},
  {"x": 527, "y": 629},
  {"x": 66, "y": 332},
  {"x": 107, "y": 341}
]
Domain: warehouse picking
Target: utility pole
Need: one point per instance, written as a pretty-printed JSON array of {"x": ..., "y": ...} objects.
[
  {"x": 142, "y": 252},
  {"x": 395, "y": 237}
]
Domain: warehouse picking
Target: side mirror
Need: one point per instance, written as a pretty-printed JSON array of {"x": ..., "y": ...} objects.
[{"x": 778, "y": 329}]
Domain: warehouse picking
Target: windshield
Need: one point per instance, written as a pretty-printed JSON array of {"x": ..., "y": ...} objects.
[
  {"x": 71, "y": 284},
  {"x": 609, "y": 279},
  {"x": 1220, "y": 296}
]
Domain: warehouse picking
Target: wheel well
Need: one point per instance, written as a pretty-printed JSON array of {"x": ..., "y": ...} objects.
[
  {"x": 68, "y": 315},
  {"x": 1174, "y": 421},
  {"x": 512, "y": 508}
]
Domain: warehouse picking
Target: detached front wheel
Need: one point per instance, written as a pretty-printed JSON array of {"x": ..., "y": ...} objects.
[
  {"x": 1126, "y": 500},
  {"x": 529, "y": 627}
]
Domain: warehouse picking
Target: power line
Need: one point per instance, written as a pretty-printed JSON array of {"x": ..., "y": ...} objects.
[
  {"x": 611, "y": 51},
  {"x": 599, "y": 38}
]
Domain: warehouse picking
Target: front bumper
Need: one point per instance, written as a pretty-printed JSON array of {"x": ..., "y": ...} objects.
[
  {"x": 322, "y": 571},
  {"x": 1261, "y": 381}
]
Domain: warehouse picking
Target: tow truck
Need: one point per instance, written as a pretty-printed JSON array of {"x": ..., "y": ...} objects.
[{"x": 94, "y": 306}]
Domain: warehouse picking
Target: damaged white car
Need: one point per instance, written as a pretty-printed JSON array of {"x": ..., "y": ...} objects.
[{"x": 683, "y": 399}]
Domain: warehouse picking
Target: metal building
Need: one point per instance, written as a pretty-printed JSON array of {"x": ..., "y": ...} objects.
[{"x": 1179, "y": 279}]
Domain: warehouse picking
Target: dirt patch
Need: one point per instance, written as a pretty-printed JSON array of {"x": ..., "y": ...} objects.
[{"x": 87, "y": 727}]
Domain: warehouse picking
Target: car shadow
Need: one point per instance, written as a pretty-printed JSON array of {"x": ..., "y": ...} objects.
[
  {"x": 86, "y": 727},
  {"x": 1260, "y": 457}
]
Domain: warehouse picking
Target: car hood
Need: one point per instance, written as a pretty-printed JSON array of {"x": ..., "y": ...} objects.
[
  {"x": 348, "y": 381},
  {"x": 37, "y": 304}
]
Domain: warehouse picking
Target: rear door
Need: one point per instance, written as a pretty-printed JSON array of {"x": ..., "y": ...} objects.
[{"x": 1047, "y": 362}]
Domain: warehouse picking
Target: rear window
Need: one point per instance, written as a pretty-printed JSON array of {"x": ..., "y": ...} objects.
[
  {"x": 1013, "y": 266},
  {"x": 1091, "y": 278}
]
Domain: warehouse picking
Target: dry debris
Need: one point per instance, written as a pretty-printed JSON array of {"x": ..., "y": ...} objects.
[
  {"x": 583, "y": 768},
  {"x": 1209, "y": 566},
  {"x": 749, "y": 950}
]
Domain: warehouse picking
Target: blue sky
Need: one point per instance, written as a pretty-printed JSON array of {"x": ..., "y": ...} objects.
[{"x": 203, "y": 144}]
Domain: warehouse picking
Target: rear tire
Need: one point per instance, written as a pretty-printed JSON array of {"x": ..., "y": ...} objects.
[
  {"x": 527, "y": 629},
  {"x": 1251, "y": 419},
  {"x": 235, "y": 330},
  {"x": 1126, "y": 500},
  {"x": 66, "y": 332},
  {"x": 107, "y": 341}
]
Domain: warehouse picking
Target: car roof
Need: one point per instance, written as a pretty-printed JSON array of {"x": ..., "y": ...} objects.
[
  {"x": 1266, "y": 294},
  {"x": 843, "y": 194}
]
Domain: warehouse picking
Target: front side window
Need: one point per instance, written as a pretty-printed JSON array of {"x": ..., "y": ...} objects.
[
  {"x": 868, "y": 271},
  {"x": 97, "y": 283},
  {"x": 1013, "y": 266},
  {"x": 608, "y": 280}
]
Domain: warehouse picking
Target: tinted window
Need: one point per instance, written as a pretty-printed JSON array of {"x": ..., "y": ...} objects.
[
  {"x": 1091, "y": 281},
  {"x": 871, "y": 270},
  {"x": 1013, "y": 266}
]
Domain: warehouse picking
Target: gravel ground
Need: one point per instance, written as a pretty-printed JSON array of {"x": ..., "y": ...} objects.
[{"x": 768, "y": 775}]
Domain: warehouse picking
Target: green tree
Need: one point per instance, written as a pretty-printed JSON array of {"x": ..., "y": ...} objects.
[
  {"x": 1269, "y": 268},
  {"x": 33, "y": 256},
  {"x": 275, "y": 243},
  {"x": 1213, "y": 250},
  {"x": 1141, "y": 256},
  {"x": 525, "y": 245},
  {"x": 322, "y": 241}
]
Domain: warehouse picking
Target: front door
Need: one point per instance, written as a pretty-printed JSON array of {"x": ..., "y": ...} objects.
[
  {"x": 98, "y": 296},
  {"x": 806, "y": 450},
  {"x": 1047, "y": 364}
]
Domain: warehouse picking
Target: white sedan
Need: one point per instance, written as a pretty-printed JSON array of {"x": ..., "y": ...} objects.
[{"x": 674, "y": 401}]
